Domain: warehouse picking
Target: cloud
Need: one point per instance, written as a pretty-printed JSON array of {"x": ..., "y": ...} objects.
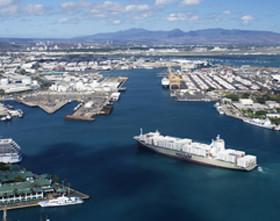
[
  {"x": 9, "y": 7},
  {"x": 142, "y": 16},
  {"x": 163, "y": 2},
  {"x": 247, "y": 19},
  {"x": 35, "y": 9},
  {"x": 191, "y": 2},
  {"x": 5, "y": 3},
  {"x": 173, "y": 17},
  {"x": 69, "y": 5},
  {"x": 66, "y": 20},
  {"x": 109, "y": 9},
  {"x": 137, "y": 8},
  {"x": 116, "y": 22},
  {"x": 227, "y": 12},
  {"x": 106, "y": 9}
]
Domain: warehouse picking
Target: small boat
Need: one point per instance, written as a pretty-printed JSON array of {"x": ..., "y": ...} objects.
[
  {"x": 6, "y": 118},
  {"x": 165, "y": 82}
]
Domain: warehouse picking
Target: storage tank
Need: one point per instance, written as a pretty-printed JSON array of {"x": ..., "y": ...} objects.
[
  {"x": 26, "y": 81},
  {"x": 4, "y": 81}
]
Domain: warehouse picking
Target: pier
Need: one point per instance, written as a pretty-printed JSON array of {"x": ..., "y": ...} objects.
[
  {"x": 22, "y": 205},
  {"x": 91, "y": 103}
]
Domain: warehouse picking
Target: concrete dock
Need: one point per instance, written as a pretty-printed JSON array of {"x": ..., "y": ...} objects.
[{"x": 92, "y": 103}]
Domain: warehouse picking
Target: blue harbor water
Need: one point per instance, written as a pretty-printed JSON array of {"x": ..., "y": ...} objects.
[{"x": 126, "y": 182}]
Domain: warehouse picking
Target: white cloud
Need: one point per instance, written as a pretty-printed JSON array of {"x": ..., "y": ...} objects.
[
  {"x": 137, "y": 8},
  {"x": 247, "y": 19},
  {"x": 109, "y": 9},
  {"x": 173, "y": 17},
  {"x": 69, "y": 5},
  {"x": 67, "y": 20},
  {"x": 191, "y": 2},
  {"x": 116, "y": 22},
  {"x": 227, "y": 12},
  {"x": 8, "y": 7},
  {"x": 163, "y": 2},
  {"x": 35, "y": 9},
  {"x": 106, "y": 9},
  {"x": 142, "y": 16},
  {"x": 5, "y": 3}
]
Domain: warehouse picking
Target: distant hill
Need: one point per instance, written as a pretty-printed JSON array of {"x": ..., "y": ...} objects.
[{"x": 177, "y": 36}]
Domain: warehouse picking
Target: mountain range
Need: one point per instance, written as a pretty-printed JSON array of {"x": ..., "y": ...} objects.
[{"x": 179, "y": 37}]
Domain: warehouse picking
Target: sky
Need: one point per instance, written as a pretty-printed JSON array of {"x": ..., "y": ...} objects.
[{"x": 66, "y": 19}]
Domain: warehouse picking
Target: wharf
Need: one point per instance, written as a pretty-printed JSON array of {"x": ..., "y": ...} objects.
[
  {"x": 123, "y": 81},
  {"x": 22, "y": 205},
  {"x": 47, "y": 107},
  {"x": 75, "y": 116},
  {"x": 89, "y": 114},
  {"x": 92, "y": 103},
  {"x": 53, "y": 109},
  {"x": 89, "y": 110}
]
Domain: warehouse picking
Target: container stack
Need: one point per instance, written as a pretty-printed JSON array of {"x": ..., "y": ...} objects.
[{"x": 247, "y": 161}]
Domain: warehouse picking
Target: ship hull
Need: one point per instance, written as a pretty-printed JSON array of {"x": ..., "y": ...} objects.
[
  {"x": 192, "y": 158},
  {"x": 48, "y": 204}
]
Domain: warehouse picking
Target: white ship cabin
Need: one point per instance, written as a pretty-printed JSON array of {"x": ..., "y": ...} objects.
[{"x": 217, "y": 145}]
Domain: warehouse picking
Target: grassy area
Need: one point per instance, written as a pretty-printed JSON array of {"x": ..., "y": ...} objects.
[
  {"x": 233, "y": 97},
  {"x": 254, "y": 114},
  {"x": 256, "y": 97},
  {"x": 275, "y": 120},
  {"x": 266, "y": 97},
  {"x": 4, "y": 167}
]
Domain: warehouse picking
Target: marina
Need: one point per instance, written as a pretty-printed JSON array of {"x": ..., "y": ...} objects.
[
  {"x": 20, "y": 188},
  {"x": 23, "y": 189},
  {"x": 7, "y": 113}
]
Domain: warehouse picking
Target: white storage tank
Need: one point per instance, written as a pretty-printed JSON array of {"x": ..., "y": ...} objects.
[
  {"x": 4, "y": 81},
  {"x": 27, "y": 81}
]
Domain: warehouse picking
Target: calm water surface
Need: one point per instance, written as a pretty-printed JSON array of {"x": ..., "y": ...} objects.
[{"x": 127, "y": 183}]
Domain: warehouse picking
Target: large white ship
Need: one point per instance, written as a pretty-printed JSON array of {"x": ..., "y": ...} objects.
[
  {"x": 61, "y": 201},
  {"x": 10, "y": 151},
  {"x": 214, "y": 154}
]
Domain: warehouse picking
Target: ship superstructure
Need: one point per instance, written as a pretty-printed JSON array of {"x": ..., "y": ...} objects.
[
  {"x": 10, "y": 151},
  {"x": 214, "y": 154}
]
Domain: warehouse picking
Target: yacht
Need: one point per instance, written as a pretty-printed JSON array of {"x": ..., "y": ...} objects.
[{"x": 61, "y": 201}]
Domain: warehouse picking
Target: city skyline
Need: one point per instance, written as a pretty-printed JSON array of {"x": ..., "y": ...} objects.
[{"x": 66, "y": 19}]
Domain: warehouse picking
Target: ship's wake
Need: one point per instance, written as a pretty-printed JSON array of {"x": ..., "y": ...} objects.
[{"x": 261, "y": 170}]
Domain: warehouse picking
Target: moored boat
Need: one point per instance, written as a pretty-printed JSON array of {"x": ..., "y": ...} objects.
[{"x": 61, "y": 201}]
